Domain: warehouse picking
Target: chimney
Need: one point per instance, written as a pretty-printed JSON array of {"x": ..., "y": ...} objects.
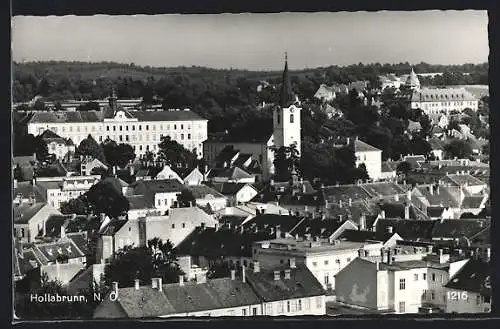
[
  {"x": 382, "y": 214},
  {"x": 137, "y": 284},
  {"x": 304, "y": 190},
  {"x": 115, "y": 286},
  {"x": 181, "y": 280},
  {"x": 488, "y": 254},
  {"x": 278, "y": 232},
  {"x": 114, "y": 170},
  {"x": 287, "y": 274},
  {"x": 242, "y": 229},
  {"x": 431, "y": 189},
  {"x": 33, "y": 181},
  {"x": 408, "y": 196},
  {"x": 389, "y": 257},
  {"x": 350, "y": 202},
  {"x": 389, "y": 229},
  {"x": 340, "y": 203},
  {"x": 407, "y": 212},
  {"x": 15, "y": 183},
  {"x": 63, "y": 231},
  {"x": 256, "y": 266},
  {"x": 276, "y": 275},
  {"x": 297, "y": 237},
  {"x": 362, "y": 222},
  {"x": 396, "y": 197},
  {"x": 316, "y": 239},
  {"x": 292, "y": 263},
  {"x": 233, "y": 275},
  {"x": 243, "y": 274},
  {"x": 429, "y": 249}
]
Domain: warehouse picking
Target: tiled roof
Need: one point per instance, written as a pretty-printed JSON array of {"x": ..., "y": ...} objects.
[
  {"x": 472, "y": 202},
  {"x": 474, "y": 276},
  {"x": 286, "y": 223},
  {"x": 116, "y": 183},
  {"x": 389, "y": 166},
  {"x": 333, "y": 194},
  {"x": 362, "y": 236},
  {"x": 302, "y": 283},
  {"x": 192, "y": 215},
  {"x": 457, "y": 228},
  {"x": 23, "y": 213},
  {"x": 113, "y": 226},
  {"x": 49, "y": 136},
  {"x": 459, "y": 180},
  {"x": 442, "y": 95},
  {"x": 26, "y": 189},
  {"x": 66, "y": 117},
  {"x": 413, "y": 230},
  {"x": 191, "y": 297},
  {"x": 414, "y": 125},
  {"x": 27, "y": 160},
  {"x": 228, "y": 188},
  {"x": 63, "y": 248},
  {"x": 316, "y": 227},
  {"x": 230, "y": 173},
  {"x": 53, "y": 225},
  {"x": 360, "y": 146},
  {"x": 158, "y": 186},
  {"x": 214, "y": 244},
  {"x": 383, "y": 189},
  {"x": 442, "y": 196},
  {"x": 411, "y": 264},
  {"x": 203, "y": 191},
  {"x": 436, "y": 143}
]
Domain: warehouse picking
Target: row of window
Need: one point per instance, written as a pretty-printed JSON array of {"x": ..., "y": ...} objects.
[
  {"x": 326, "y": 262},
  {"x": 146, "y": 127}
]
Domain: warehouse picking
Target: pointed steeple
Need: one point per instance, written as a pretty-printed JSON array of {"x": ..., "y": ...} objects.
[
  {"x": 287, "y": 97},
  {"x": 112, "y": 99}
]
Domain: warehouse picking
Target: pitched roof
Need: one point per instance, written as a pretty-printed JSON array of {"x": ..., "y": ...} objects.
[
  {"x": 383, "y": 189},
  {"x": 116, "y": 183},
  {"x": 414, "y": 230},
  {"x": 472, "y": 202},
  {"x": 204, "y": 191},
  {"x": 474, "y": 276},
  {"x": 234, "y": 173},
  {"x": 302, "y": 283},
  {"x": 229, "y": 188},
  {"x": 27, "y": 189},
  {"x": 167, "y": 115},
  {"x": 457, "y": 228},
  {"x": 442, "y": 94},
  {"x": 360, "y": 146},
  {"x": 362, "y": 236},
  {"x": 322, "y": 228},
  {"x": 334, "y": 194},
  {"x": 285, "y": 222},
  {"x": 139, "y": 202},
  {"x": 24, "y": 212},
  {"x": 442, "y": 196},
  {"x": 49, "y": 136},
  {"x": 159, "y": 186},
  {"x": 462, "y": 179},
  {"x": 66, "y": 117},
  {"x": 63, "y": 248},
  {"x": 192, "y": 215},
  {"x": 191, "y": 297}
]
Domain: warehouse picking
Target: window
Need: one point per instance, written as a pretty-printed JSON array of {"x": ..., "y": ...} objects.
[
  {"x": 182, "y": 136},
  {"x": 280, "y": 307},
  {"x": 299, "y": 307},
  {"x": 133, "y": 127},
  {"x": 402, "y": 284},
  {"x": 114, "y": 128},
  {"x": 183, "y": 225},
  {"x": 415, "y": 277},
  {"x": 254, "y": 311},
  {"x": 326, "y": 262},
  {"x": 327, "y": 279},
  {"x": 433, "y": 276},
  {"x": 189, "y": 136},
  {"x": 173, "y": 225},
  {"x": 175, "y": 127},
  {"x": 319, "y": 302},
  {"x": 478, "y": 300},
  {"x": 315, "y": 264},
  {"x": 269, "y": 308},
  {"x": 291, "y": 118},
  {"x": 159, "y": 202},
  {"x": 22, "y": 233},
  {"x": 182, "y": 126},
  {"x": 424, "y": 276},
  {"x": 140, "y": 127},
  {"x": 307, "y": 304},
  {"x": 433, "y": 295},
  {"x": 126, "y": 138},
  {"x": 402, "y": 307},
  {"x": 121, "y": 128},
  {"x": 121, "y": 138},
  {"x": 126, "y": 128},
  {"x": 288, "y": 306},
  {"x": 244, "y": 312},
  {"x": 147, "y": 127}
]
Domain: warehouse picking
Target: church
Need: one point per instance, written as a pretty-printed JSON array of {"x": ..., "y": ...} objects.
[{"x": 285, "y": 131}]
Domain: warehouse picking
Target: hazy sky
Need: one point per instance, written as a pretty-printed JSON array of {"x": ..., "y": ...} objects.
[{"x": 256, "y": 41}]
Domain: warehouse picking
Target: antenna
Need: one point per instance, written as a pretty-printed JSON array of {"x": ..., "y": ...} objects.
[{"x": 286, "y": 56}]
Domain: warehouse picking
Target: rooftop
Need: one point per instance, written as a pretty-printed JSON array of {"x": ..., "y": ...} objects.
[{"x": 474, "y": 276}]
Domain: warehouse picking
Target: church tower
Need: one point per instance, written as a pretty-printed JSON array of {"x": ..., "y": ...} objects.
[{"x": 286, "y": 116}]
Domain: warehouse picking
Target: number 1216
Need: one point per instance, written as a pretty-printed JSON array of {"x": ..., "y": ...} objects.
[{"x": 455, "y": 295}]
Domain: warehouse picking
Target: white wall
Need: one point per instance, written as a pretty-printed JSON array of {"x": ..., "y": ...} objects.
[{"x": 372, "y": 161}]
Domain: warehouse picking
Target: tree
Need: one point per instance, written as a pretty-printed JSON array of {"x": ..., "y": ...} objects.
[
  {"x": 104, "y": 198},
  {"x": 174, "y": 154},
  {"x": 186, "y": 198},
  {"x": 458, "y": 149},
  {"x": 286, "y": 161},
  {"x": 157, "y": 259},
  {"x": 118, "y": 154},
  {"x": 99, "y": 171},
  {"x": 404, "y": 167},
  {"x": 78, "y": 206},
  {"x": 90, "y": 147}
]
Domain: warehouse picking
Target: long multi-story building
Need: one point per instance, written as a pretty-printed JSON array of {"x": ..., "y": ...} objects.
[{"x": 143, "y": 130}]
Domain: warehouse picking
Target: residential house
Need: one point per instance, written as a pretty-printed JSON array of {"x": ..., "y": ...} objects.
[
  {"x": 29, "y": 220},
  {"x": 325, "y": 93},
  {"x": 322, "y": 257},
  {"x": 236, "y": 192},
  {"x": 469, "y": 290},
  {"x": 234, "y": 175},
  {"x": 168, "y": 173},
  {"x": 191, "y": 177},
  {"x": 208, "y": 197},
  {"x": 370, "y": 156},
  {"x": 163, "y": 192},
  {"x": 389, "y": 170},
  {"x": 89, "y": 164},
  {"x": 411, "y": 286},
  {"x": 57, "y": 145},
  {"x": 414, "y": 127}
]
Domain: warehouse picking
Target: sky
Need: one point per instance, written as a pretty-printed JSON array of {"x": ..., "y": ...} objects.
[{"x": 256, "y": 41}]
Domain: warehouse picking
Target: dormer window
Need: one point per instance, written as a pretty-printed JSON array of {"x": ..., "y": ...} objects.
[{"x": 291, "y": 118}]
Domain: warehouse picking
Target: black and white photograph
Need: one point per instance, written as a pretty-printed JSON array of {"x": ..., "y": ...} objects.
[{"x": 250, "y": 165}]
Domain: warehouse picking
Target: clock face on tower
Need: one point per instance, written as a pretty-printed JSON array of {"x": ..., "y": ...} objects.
[{"x": 291, "y": 110}]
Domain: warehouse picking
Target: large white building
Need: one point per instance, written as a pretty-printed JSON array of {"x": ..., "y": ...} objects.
[
  {"x": 286, "y": 130},
  {"x": 370, "y": 156},
  {"x": 141, "y": 129}
]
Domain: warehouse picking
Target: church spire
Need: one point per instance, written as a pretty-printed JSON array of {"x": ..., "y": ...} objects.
[{"x": 286, "y": 94}]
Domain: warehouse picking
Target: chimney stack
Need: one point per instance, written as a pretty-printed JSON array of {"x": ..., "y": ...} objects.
[
  {"x": 396, "y": 197},
  {"x": 407, "y": 212},
  {"x": 488, "y": 254},
  {"x": 389, "y": 229},
  {"x": 276, "y": 275},
  {"x": 389, "y": 257},
  {"x": 243, "y": 274},
  {"x": 340, "y": 203},
  {"x": 362, "y": 222},
  {"x": 137, "y": 284},
  {"x": 382, "y": 214},
  {"x": 63, "y": 231},
  {"x": 278, "y": 232},
  {"x": 431, "y": 189},
  {"x": 15, "y": 183},
  {"x": 292, "y": 263},
  {"x": 181, "y": 280},
  {"x": 233, "y": 275},
  {"x": 131, "y": 170},
  {"x": 350, "y": 202},
  {"x": 287, "y": 274}
]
